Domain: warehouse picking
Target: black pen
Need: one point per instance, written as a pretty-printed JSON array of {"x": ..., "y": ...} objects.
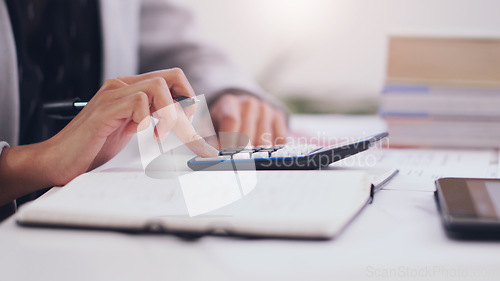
[{"x": 69, "y": 108}]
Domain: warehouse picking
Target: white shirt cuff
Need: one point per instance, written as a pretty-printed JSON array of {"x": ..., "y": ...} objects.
[{"x": 2, "y": 146}]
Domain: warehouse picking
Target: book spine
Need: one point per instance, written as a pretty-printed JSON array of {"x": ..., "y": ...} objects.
[
  {"x": 429, "y": 132},
  {"x": 432, "y": 101},
  {"x": 454, "y": 61}
]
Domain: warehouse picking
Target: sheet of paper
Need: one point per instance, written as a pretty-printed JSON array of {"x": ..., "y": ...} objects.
[{"x": 419, "y": 168}]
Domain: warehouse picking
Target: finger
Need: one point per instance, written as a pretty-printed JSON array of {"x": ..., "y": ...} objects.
[
  {"x": 228, "y": 120},
  {"x": 159, "y": 98},
  {"x": 264, "y": 127},
  {"x": 249, "y": 116},
  {"x": 141, "y": 118},
  {"x": 105, "y": 92},
  {"x": 133, "y": 108},
  {"x": 130, "y": 114},
  {"x": 176, "y": 80},
  {"x": 280, "y": 127},
  {"x": 184, "y": 130},
  {"x": 112, "y": 84},
  {"x": 167, "y": 119}
]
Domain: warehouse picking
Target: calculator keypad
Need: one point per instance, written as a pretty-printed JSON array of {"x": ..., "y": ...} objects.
[{"x": 260, "y": 152}]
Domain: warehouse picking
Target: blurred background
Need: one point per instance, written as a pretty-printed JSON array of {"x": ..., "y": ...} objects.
[{"x": 329, "y": 56}]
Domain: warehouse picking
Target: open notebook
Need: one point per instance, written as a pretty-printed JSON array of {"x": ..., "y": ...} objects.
[{"x": 295, "y": 204}]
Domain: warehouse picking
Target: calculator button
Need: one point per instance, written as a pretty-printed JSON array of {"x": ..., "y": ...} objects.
[
  {"x": 248, "y": 150},
  {"x": 229, "y": 151},
  {"x": 260, "y": 155},
  {"x": 293, "y": 151},
  {"x": 242, "y": 155},
  {"x": 279, "y": 153},
  {"x": 217, "y": 158},
  {"x": 267, "y": 149},
  {"x": 264, "y": 146}
]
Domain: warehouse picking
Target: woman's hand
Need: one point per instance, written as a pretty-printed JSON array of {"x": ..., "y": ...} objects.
[
  {"x": 122, "y": 107},
  {"x": 119, "y": 109},
  {"x": 244, "y": 113}
]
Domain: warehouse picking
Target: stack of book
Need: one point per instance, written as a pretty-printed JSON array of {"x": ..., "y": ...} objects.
[{"x": 443, "y": 92}]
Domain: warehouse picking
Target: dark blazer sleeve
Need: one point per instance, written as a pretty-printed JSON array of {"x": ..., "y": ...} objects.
[{"x": 10, "y": 208}]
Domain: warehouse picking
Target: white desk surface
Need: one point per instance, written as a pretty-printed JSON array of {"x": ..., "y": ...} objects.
[{"x": 398, "y": 237}]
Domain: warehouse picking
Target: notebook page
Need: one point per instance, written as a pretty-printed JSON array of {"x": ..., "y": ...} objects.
[
  {"x": 122, "y": 200},
  {"x": 285, "y": 203},
  {"x": 297, "y": 203}
]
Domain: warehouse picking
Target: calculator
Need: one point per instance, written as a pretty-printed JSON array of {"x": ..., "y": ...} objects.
[{"x": 282, "y": 157}]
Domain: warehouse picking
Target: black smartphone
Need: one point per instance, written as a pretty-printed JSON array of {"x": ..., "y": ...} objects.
[{"x": 469, "y": 207}]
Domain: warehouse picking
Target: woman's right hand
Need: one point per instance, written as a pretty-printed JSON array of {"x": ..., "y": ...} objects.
[{"x": 119, "y": 109}]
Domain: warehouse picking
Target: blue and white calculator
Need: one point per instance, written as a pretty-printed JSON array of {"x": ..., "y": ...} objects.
[{"x": 283, "y": 157}]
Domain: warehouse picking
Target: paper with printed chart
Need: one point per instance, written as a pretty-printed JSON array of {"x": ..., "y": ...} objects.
[{"x": 419, "y": 168}]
